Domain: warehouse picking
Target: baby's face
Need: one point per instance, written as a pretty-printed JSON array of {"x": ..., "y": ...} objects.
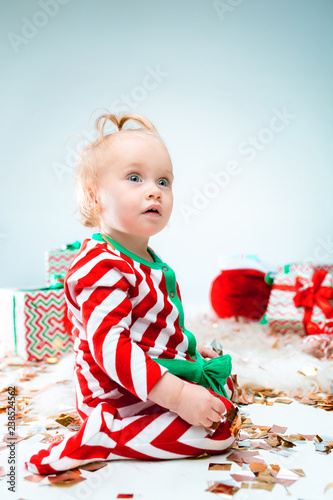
[{"x": 135, "y": 187}]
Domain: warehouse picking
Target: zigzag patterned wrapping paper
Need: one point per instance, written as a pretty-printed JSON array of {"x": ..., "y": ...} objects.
[
  {"x": 282, "y": 315},
  {"x": 34, "y": 323},
  {"x": 57, "y": 262},
  {"x": 304, "y": 267}
]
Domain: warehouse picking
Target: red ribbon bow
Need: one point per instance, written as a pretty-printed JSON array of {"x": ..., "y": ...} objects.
[
  {"x": 319, "y": 328},
  {"x": 314, "y": 295}
]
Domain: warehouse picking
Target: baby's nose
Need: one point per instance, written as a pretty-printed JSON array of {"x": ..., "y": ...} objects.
[{"x": 153, "y": 192}]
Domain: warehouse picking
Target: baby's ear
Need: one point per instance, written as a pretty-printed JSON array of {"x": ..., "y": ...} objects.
[{"x": 92, "y": 200}]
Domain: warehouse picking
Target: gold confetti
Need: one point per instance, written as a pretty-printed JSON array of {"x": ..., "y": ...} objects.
[
  {"x": 52, "y": 361},
  {"x": 68, "y": 477},
  {"x": 214, "y": 466},
  {"x": 235, "y": 426},
  {"x": 223, "y": 489},
  {"x": 64, "y": 419},
  {"x": 35, "y": 478},
  {"x": 199, "y": 457},
  {"x": 277, "y": 429},
  {"x": 284, "y": 442},
  {"x": 93, "y": 466},
  {"x": 330, "y": 485},
  {"x": 245, "y": 475},
  {"x": 258, "y": 467},
  {"x": 300, "y": 472},
  {"x": 259, "y": 485}
]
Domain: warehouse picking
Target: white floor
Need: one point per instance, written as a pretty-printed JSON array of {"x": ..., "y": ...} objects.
[{"x": 186, "y": 479}]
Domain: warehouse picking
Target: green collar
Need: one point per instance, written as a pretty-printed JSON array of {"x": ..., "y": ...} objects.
[{"x": 154, "y": 265}]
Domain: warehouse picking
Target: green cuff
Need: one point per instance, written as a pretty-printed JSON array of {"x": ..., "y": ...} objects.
[{"x": 212, "y": 373}]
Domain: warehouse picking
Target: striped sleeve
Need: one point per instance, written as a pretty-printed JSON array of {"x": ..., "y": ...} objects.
[{"x": 103, "y": 295}]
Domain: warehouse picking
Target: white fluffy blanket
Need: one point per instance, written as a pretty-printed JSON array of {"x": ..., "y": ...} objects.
[
  {"x": 262, "y": 359},
  {"x": 255, "y": 361}
]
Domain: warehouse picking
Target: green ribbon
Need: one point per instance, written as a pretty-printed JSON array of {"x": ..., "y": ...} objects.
[
  {"x": 269, "y": 278},
  {"x": 211, "y": 373},
  {"x": 263, "y": 320},
  {"x": 57, "y": 281},
  {"x": 73, "y": 246},
  {"x": 286, "y": 268}
]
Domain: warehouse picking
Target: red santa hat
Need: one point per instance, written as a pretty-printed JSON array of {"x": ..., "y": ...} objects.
[{"x": 240, "y": 289}]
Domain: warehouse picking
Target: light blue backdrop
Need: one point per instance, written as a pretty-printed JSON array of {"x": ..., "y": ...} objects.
[{"x": 241, "y": 91}]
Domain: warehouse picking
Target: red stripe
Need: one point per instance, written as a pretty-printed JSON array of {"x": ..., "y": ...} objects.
[
  {"x": 123, "y": 362},
  {"x": 167, "y": 440}
]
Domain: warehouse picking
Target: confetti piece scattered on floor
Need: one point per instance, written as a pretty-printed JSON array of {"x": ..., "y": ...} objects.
[
  {"x": 52, "y": 361},
  {"x": 93, "y": 466},
  {"x": 258, "y": 467},
  {"x": 245, "y": 475},
  {"x": 255, "y": 472},
  {"x": 223, "y": 489},
  {"x": 330, "y": 485},
  {"x": 64, "y": 419},
  {"x": 35, "y": 478},
  {"x": 215, "y": 466},
  {"x": 68, "y": 477},
  {"x": 259, "y": 485}
]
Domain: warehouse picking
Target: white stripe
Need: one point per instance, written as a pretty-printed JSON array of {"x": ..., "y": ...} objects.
[
  {"x": 197, "y": 436},
  {"x": 141, "y": 442},
  {"x": 110, "y": 303},
  {"x": 107, "y": 280},
  {"x": 141, "y": 324},
  {"x": 139, "y": 371},
  {"x": 165, "y": 334},
  {"x": 112, "y": 259}
]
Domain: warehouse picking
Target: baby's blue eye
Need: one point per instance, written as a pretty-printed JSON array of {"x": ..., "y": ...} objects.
[
  {"x": 134, "y": 178},
  {"x": 163, "y": 182}
]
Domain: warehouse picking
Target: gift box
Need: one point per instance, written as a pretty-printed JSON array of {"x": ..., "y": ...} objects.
[
  {"x": 34, "y": 323},
  {"x": 301, "y": 267},
  {"x": 57, "y": 262},
  {"x": 320, "y": 346},
  {"x": 301, "y": 301}
]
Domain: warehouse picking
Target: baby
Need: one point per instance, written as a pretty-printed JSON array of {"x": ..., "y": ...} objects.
[{"x": 143, "y": 387}]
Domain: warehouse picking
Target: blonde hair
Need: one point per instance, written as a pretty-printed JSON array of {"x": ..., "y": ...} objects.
[{"x": 87, "y": 171}]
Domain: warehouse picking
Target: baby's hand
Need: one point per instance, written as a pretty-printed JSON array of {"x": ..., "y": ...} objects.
[
  {"x": 197, "y": 406},
  {"x": 206, "y": 352}
]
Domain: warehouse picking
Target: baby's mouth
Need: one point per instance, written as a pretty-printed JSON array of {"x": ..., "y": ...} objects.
[{"x": 153, "y": 210}]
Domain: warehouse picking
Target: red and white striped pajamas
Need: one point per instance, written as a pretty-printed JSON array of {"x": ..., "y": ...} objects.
[{"x": 125, "y": 312}]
